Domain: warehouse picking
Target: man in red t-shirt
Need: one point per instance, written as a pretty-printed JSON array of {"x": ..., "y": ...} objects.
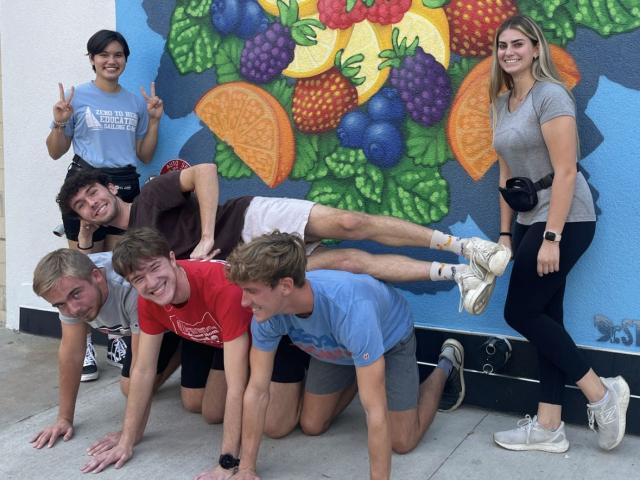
[{"x": 194, "y": 299}]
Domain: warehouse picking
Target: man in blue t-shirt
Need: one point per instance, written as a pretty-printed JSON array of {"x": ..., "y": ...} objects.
[{"x": 359, "y": 332}]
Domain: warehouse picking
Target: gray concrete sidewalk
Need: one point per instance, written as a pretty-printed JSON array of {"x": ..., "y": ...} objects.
[{"x": 178, "y": 445}]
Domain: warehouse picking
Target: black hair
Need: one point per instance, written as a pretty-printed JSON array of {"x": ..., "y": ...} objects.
[
  {"x": 101, "y": 39},
  {"x": 74, "y": 183}
]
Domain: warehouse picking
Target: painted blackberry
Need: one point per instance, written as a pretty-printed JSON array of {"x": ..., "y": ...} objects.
[
  {"x": 267, "y": 54},
  {"x": 423, "y": 83}
]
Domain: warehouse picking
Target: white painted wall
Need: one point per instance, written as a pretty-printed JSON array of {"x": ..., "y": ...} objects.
[{"x": 43, "y": 42}]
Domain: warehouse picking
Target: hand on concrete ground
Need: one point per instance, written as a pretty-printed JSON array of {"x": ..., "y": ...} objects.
[
  {"x": 245, "y": 475},
  {"x": 118, "y": 455},
  {"x": 217, "y": 473},
  {"x": 49, "y": 436},
  {"x": 107, "y": 442}
]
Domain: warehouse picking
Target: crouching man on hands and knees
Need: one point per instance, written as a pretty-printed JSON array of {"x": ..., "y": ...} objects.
[
  {"x": 88, "y": 293},
  {"x": 362, "y": 323},
  {"x": 195, "y": 300}
]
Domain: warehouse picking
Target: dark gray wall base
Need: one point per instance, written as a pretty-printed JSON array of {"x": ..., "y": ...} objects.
[{"x": 514, "y": 390}]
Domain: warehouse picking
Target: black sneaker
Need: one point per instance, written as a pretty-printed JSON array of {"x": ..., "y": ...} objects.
[
  {"x": 116, "y": 350},
  {"x": 453, "y": 392},
  {"x": 89, "y": 367}
]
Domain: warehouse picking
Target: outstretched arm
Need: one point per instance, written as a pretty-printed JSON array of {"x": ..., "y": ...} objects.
[
  {"x": 143, "y": 374},
  {"x": 203, "y": 181},
  {"x": 256, "y": 400},
  {"x": 57, "y": 142},
  {"x": 70, "y": 356},
  {"x": 371, "y": 386}
]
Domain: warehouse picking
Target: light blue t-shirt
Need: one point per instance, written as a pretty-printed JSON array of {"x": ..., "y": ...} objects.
[
  {"x": 119, "y": 313},
  {"x": 355, "y": 320},
  {"x": 105, "y": 126}
]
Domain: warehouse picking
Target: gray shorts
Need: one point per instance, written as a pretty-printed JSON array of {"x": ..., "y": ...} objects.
[
  {"x": 266, "y": 214},
  {"x": 401, "y": 376}
]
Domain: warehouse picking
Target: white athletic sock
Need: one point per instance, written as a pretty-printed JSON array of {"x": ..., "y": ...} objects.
[
  {"x": 445, "y": 271},
  {"x": 444, "y": 241}
]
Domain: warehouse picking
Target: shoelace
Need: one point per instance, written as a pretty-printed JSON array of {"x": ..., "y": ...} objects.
[
  {"x": 475, "y": 271},
  {"x": 483, "y": 253},
  {"x": 89, "y": 355},
  {"x": 120, "y": 349},
  {"x": 604, "y": 417}
]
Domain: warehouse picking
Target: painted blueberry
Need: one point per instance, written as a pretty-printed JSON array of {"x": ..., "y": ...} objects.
[
  {"x": 383, "y": 144},
  {"x": 225, "y": 15},
  {"x": 253, "y": 20},
  {"x": 351, "y": 128},
  {"x": 386, "y": 105}
]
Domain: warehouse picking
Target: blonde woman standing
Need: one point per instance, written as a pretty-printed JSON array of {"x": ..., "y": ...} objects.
[{"x": 535, "y": 136}]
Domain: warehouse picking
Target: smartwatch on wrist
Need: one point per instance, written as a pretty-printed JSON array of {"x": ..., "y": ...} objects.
[
  {"x": 551, "y": 236},
  {"x": 228, "y": 461}
]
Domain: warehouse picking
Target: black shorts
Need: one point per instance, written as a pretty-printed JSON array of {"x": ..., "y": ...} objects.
[
  {"x": 126, "y": 179},
  {"x": 290, "y": 364},
  {"x": 170, "y": 345}
]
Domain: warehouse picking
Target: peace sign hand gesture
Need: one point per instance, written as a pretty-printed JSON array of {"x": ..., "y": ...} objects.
[
  {"x": 63, "y": 110},
  {"x": 154, "y": 103}
]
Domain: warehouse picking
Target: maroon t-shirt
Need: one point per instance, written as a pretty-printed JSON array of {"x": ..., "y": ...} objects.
[{"x": 163, "y": 206}]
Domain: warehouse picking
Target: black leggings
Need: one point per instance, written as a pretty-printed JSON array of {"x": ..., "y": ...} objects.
[{"x": 534, "y": 305}]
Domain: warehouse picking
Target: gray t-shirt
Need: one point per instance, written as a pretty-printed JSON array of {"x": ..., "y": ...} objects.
[
  {"x": 119, "y": 314},
  {"x": 519, "y": 142}
]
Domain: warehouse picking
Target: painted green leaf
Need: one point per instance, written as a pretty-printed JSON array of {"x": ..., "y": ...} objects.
[
  {"x": 282, "y": 91},
  {"x": 227, "y": 59},
  {"x": 419, "y": 195},
  {"x": 229, "y": 164},
  {"x": 197, "y": 8},
  {"x": 558, "y": 20},
  {"x": 346, "y": 162},
  {"x": 458, "y": 70},
  {"x": 336, "y": 194},
  {"x": 192, "y": 41},
  {"x": 427, "y": 146},
  {"x": 370, "y": 182},
  {"x": 311, "y": 151}
]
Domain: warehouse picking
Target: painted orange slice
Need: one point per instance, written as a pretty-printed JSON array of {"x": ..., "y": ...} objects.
[
  {"x": 468, "y": 128},
  {"x": 254, "y": 125}
]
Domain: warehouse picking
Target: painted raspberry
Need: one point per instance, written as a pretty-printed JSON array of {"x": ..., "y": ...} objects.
[
  {"x": 386, "y": 12},
  {"x": 422, "y": 82},
  {"x": 336, "y": 14},
  {"x": 473, "y": 24},
  {"x": 319, "y": 102},
  {"x": 267, "y": 54}
]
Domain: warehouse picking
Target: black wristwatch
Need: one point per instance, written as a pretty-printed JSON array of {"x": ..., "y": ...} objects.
[
  {"x": 551, "y": 236},
  {"x": 228, "y": 461}
]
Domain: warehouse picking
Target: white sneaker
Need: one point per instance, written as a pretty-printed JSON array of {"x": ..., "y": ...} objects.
[
  {"x": 475, "y": 289},
  {"x": 530, "y": 435},
  {"x": 89, "y": 367},
  {"x": 612, "y": 416},
  {"x": 490, "y": 256}
]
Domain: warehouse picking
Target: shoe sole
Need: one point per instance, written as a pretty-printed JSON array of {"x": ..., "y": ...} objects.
[
  {"x": 624, "y": 404},
  {"x": 89, "y": 377},
  {"x": 478, "y": 303},
  {"x": 501, "y": 266},
  {"x": 113, "y": 363},
  {"x": 457, "y": 345},
  {"x": 540, "y": 447}
]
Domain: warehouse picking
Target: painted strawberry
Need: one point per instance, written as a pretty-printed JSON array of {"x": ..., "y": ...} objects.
[
  {"x": 320, "y": 102},
  {"x": 473, "y": 24},
  {"x": 341, "y": 14},
  {"x": 267, "y": 54},
  {"x": 386, "y": 12}
]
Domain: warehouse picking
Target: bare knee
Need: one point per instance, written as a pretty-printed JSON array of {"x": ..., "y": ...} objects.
[
  {"x": 277, "y": 430},
  {"x": 353, "y": 224},
  {"x": 403, "y": 445},
  {"x": 191, "y": 401},
  {"x": 213, "y": 416},
  {"x": 351, "y": 260},
  {"x": 124, "y": 386},
  {"x": 313, "y": 427}
]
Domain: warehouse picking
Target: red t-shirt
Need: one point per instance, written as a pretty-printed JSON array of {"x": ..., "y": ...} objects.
[{"x": 212, "y": 315}]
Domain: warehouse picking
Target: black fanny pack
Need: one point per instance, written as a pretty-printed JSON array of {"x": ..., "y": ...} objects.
[
  {"x": 521, "y": 193},
  {"x": 127, "y": 173}
]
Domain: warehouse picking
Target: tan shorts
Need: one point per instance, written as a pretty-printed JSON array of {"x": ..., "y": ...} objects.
[{"x": 266, "y": 214}]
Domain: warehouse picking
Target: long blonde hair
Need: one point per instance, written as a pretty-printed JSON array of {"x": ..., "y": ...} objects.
[{"x": 542, "y": 68}]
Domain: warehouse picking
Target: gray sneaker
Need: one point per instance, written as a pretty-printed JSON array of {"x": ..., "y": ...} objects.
[
  {"x": 476, "y": 288},
  {"x": 454, "y": 390},
  {"x": 530, "y": 435},
  {"x": 612, "y": 416},
  {"x": 490, "y": 256}
]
